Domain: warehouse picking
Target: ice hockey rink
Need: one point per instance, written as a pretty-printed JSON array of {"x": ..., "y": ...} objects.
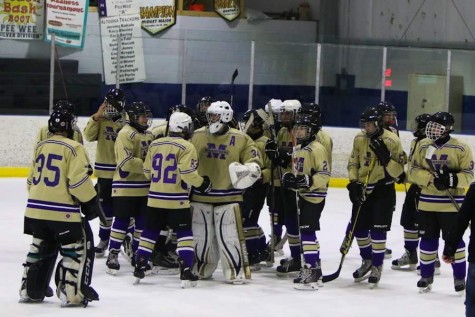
[{"x": 264, "y": 295}]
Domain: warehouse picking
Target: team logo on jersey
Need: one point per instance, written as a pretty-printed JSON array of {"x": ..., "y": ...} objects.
[
  {"x": 299, "y": 164},
  {"x": 217, "y": 151},
  {"x": 194, "y": 164},
  {"x": 440, "y": 162},
  {"x": 111, "y": 134},
  {"x": 145, "y": 145}
]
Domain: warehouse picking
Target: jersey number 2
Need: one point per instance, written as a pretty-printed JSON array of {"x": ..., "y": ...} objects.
[{"x": 166, "y": 168}]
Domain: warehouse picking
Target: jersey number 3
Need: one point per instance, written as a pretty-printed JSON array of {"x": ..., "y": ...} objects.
[{"x": 50, "y": 166}]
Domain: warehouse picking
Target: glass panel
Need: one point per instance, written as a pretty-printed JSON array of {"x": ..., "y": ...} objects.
[
  {"x": 417, "y": 78},
  {"x": 350, "y": 82}
]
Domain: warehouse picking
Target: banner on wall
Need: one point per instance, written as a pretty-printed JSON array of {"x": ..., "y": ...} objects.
[
  {"x": 67, "y": 19},
  {"x": 157, "y": 15},
  {"x": 125, "y": 29},
  {"x": 22, "y": 20},
  {"x": 228, "y": 9},
  {"x": 109, "y": 8}
]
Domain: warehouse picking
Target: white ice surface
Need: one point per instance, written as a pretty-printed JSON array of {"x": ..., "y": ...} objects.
[{"x": 265, "y": 295}]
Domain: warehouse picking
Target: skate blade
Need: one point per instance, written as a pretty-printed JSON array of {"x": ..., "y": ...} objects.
[
  {"x": 188, "y": 284},
  {"x": 306, "y": 287},
  {"x": 27, "y": 300},
  {"x": 111, "y": 272},
  {"x": 137, "y": 281},
  {"x": 320, "y": 283},
  {"x": 425, "y": 290},
  {"x": 157, "y": 270},
  {"x": 361, "y": 279},
  {"x": 406, "y": 268},
  {"x": 373, "y": 285},
  {"x": 460, "y": 293}
]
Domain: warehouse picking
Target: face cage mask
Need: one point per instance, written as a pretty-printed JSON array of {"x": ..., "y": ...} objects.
[
  {"x": 214, "y": 125},
  {"x": 110, "y": 112},
  {"x": 434, "y": 130},
  {"x": 289, "y": 117}
]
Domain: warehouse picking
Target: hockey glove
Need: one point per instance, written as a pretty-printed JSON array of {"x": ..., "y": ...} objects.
[
  {"x": 401, "y": 178},
  {"x": 381, "y": 151},
  {"x": 445, "y": 179},
  {"x": 92, "y": 209},
  {"x": 355, "y": 190},
  {"x": 206, "y": 186},
  {"x": 271, "y": 150},
  {"x": 449, "y": 254},
  {"x": 291, "y": 181}
]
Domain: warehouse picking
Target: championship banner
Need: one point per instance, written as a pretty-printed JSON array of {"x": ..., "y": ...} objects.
[
  {"x": 67, "y": 20},
  {"x": 22, "y": 20},
  {"x": 109, "y": 8},
  {"x": 228, "y": 9},
  {"x": 130, "y": 48},
  {"x": 157, "y": 15}
]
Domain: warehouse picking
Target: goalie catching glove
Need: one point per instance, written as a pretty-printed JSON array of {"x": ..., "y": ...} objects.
[
  {"x": 289, "y": 180},
  {"x": 244, "y": 175}
]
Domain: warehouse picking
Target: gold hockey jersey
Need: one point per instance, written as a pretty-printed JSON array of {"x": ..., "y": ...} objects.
[
  {"x": 266, "y": 163},
  {"x": 215, "y": 153},
  {"x": 171, "y": 165},
  {"x": 104, "y": 131},
  {"x": 362, "y": 155},
  {"x": 130, "y": 150},
  {"x": 58, "y": 176},
  {"x": 159, "y": 131},
  {"x": 312, "y": 160},
  {"x": 44, "y": 134},
  {"x": 454, "y": 154},
  {"x": 325, "y": 139}
]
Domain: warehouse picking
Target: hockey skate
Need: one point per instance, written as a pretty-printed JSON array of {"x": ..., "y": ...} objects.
[
  {"x": 188, "y": 279},
  {"x": 288, "y": 267},
  {"x": 141, "y": 269},
  {"x": 127, "y": 247},
  {"x": 112, "y": 263},
  {"x": 425, "y": 284},
  {"x": 362, "y": 273},
  {"x": 100, "y": 248},
  {"x": 407, "y": 262},
  {"x": 165, "y": 263},
  {"x": 278, "y": 246},
  {"x": 308, "y": 278},
  {"x": 388, "y": 253},
  {"x": 24, "y": 298},
  {"x": 459, "y": 285},
  {"x": 436, "y": 268},
  {"x": 375, "y": 276}
]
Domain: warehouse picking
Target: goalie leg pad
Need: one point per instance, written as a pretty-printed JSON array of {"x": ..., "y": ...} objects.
[
  {"x": 73, "y": 275},
  {"x": 205, "y": 243},
  {"x": 38, "y": 270},
  {"x": 232, "y": 247}
]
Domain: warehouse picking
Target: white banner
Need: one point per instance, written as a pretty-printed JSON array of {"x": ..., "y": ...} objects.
[
  {"x": 132, "y": 66},
  {"x": 109, "y": 8},
  {"x": 67, "y": 19},
  {"x": 22, "y": 20}
]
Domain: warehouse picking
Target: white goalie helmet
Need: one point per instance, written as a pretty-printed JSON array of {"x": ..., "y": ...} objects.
[
  {"x": 289, "y": 109},
  {"x": 218, "y": 113},
  {"x": 181, "y": 123}
]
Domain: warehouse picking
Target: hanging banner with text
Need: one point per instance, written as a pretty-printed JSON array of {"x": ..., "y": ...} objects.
[
  {"x": 228, "y": 9},
  {"x": 109, "y": 8},
  {"x": 67, "y": 19},
  {"x": 132, "y": 66},
  {"x": 22, "y": 20},
  {"x": 157, "y": 15}
]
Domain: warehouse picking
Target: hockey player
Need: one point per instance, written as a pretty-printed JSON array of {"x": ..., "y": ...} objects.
[
  {"x": 129, "y": 185},
  {"x": 464, "y": 217},
  {"x": 254, "y": 196},
  {"x": 376, "y": 161},
  {"x": 389, "y": 116},
  {"x": 217, "y": 222},
  {"x": 310, "y": 179},
  {"x": 408, "y": 261},
  {"x": 103, "y": 127},
  {"x": 171, "y": 162},
  {"x": 200, "y": 111},
  {"x": 59, "y": 190},
  {"x": 280, "y": 153},
  {"x": 442, "y": 167},
  {"x": 66, "y": 106}
]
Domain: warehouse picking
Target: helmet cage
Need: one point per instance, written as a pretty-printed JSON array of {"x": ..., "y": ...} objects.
[{"x": 435, "y": 130}]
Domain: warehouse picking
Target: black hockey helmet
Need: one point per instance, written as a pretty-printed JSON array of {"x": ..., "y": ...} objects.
[
  {"x": 440, "y": 124},
  {"x": 61, "y": 121},
  {"x": 137, "y": 109},
  {"x": 201, "y": 108},
  {"x": 116, "y": 98},
  {"x": 371, "y": 115},
  {"x": 389, "y": 113},
  {"x": 310, "y": 123},
  {"x": 64, "y": 105},
  {"x": 419, "y": 124},
  {"x": 310, "y": 108}
]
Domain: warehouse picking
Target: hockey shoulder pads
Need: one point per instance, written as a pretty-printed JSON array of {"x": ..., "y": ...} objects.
[{"x": 244, "y": 175}]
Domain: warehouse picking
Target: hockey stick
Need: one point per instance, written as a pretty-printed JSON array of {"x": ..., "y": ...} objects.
[
  {"x": 349, "y": 236},
  {"x": 235, "y": 74},
  {"x": 428, "y": 157}
]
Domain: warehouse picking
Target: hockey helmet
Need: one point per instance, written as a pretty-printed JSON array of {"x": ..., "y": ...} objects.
[
  {"x": 61, "y": 121},
  {"x": 201, "y": 108},
  {"x": 371, "y": 121},
  {"x": 389, "y": 113},
  {"x": 440, "y": 124},
  {"x": 180, "y": 124},
  {"x": 288, "y": 110},
  {"x": 418, "y": 126},
  {"x": 306, "y": 127},
  {"x": 140, "y": 115},
  {"x": 115, "y": 99},
  {"x": 218, "y": 114}
]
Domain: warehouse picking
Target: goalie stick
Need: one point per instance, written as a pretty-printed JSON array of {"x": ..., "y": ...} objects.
[{"x": 349, "y": 236}]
